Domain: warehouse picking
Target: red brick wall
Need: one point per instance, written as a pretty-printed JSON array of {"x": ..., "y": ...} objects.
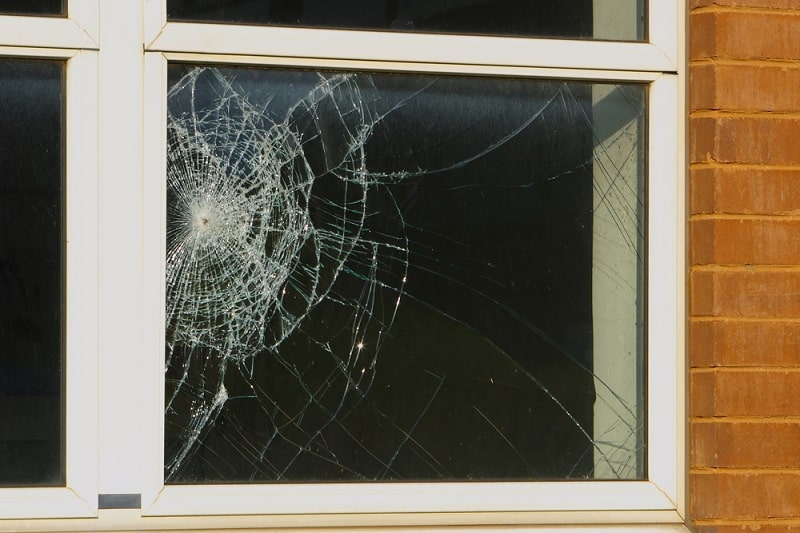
[{"x": 744, "y": 344}]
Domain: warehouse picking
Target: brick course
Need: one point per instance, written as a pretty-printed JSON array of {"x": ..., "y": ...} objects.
[
  {"x": 745, "y": 85},
  {"x": 733, "y": 443},
  {"x": 775, "y": 4},
  {"x": 773, "y": 526},
  {"x": 746, "y": 495},
  {"x": 748, "y": 393},
  {"x": 744, "y": 343},
  {"x": 745, "y": 293},
  {"x": 741, "y": 34},
  {"x": 739, "y": 189},
  {"x": 737, "y": 138},
  {"x": 737, "y": 241}
]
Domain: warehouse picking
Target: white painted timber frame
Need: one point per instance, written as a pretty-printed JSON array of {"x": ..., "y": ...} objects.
[{"x": 118, "y": 397}]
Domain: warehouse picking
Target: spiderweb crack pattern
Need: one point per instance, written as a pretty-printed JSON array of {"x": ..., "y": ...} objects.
[{"x": 245, "y": 261}]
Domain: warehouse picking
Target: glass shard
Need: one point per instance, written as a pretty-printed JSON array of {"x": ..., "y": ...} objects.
[{"x": 395, "y": 277}]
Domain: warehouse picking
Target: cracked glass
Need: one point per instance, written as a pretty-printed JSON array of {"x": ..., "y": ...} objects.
[
  {"x": 576, "y": 19},
  {"x": 391, "y": 276},
  {"x": 31, "y": 279}
]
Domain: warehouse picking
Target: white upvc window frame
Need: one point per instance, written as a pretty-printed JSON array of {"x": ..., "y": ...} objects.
[
  {"x": 72, "y": 39},
  {"x": 659, "y": 500},
  {"x": 116, "y": 205}
]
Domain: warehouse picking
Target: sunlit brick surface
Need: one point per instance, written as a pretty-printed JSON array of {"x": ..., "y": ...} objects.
[{"x": 744, "y": 249}]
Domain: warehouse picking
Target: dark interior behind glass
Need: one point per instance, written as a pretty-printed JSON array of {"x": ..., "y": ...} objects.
[
  {"x": 33, "y": 7},
  {"x": 565, "y": 18},
  {"x": 31, "y": 272}
]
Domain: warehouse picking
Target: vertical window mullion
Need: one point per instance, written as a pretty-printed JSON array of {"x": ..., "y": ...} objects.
[
  {"x": 81, "y": 291},
  {"x": 120, "y": 236},
  {"x": 154, "y": 208}
]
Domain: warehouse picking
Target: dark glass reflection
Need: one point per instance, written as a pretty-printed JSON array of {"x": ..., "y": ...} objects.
[
  {"x": 31, "y": 142},
  {"x": 565, "y": 18},
  {"x": 33, "y": 7},
  {"x": 382, "y": 277}
]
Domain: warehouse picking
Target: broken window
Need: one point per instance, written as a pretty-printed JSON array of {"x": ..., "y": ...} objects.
[
  {"x": 387, "y": 276},
  {"x": 31, "y": 279},
  {"x": 403, "y": 264}
]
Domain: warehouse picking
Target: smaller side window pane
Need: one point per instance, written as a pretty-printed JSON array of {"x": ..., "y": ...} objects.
[
  {"x": 575, "y": 19},
  {"x": 31, "y": 278},
  {"x": 33, "y": 7}
]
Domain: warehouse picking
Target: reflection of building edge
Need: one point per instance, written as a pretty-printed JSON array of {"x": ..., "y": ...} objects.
[{"x": 618, "y": 287}]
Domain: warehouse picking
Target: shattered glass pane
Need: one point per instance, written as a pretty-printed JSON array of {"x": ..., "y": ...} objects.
[
  {"x": 566, "y": 18},
  {"x": 31, "y": 280},
  {"x": 375, "y": 276}
]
